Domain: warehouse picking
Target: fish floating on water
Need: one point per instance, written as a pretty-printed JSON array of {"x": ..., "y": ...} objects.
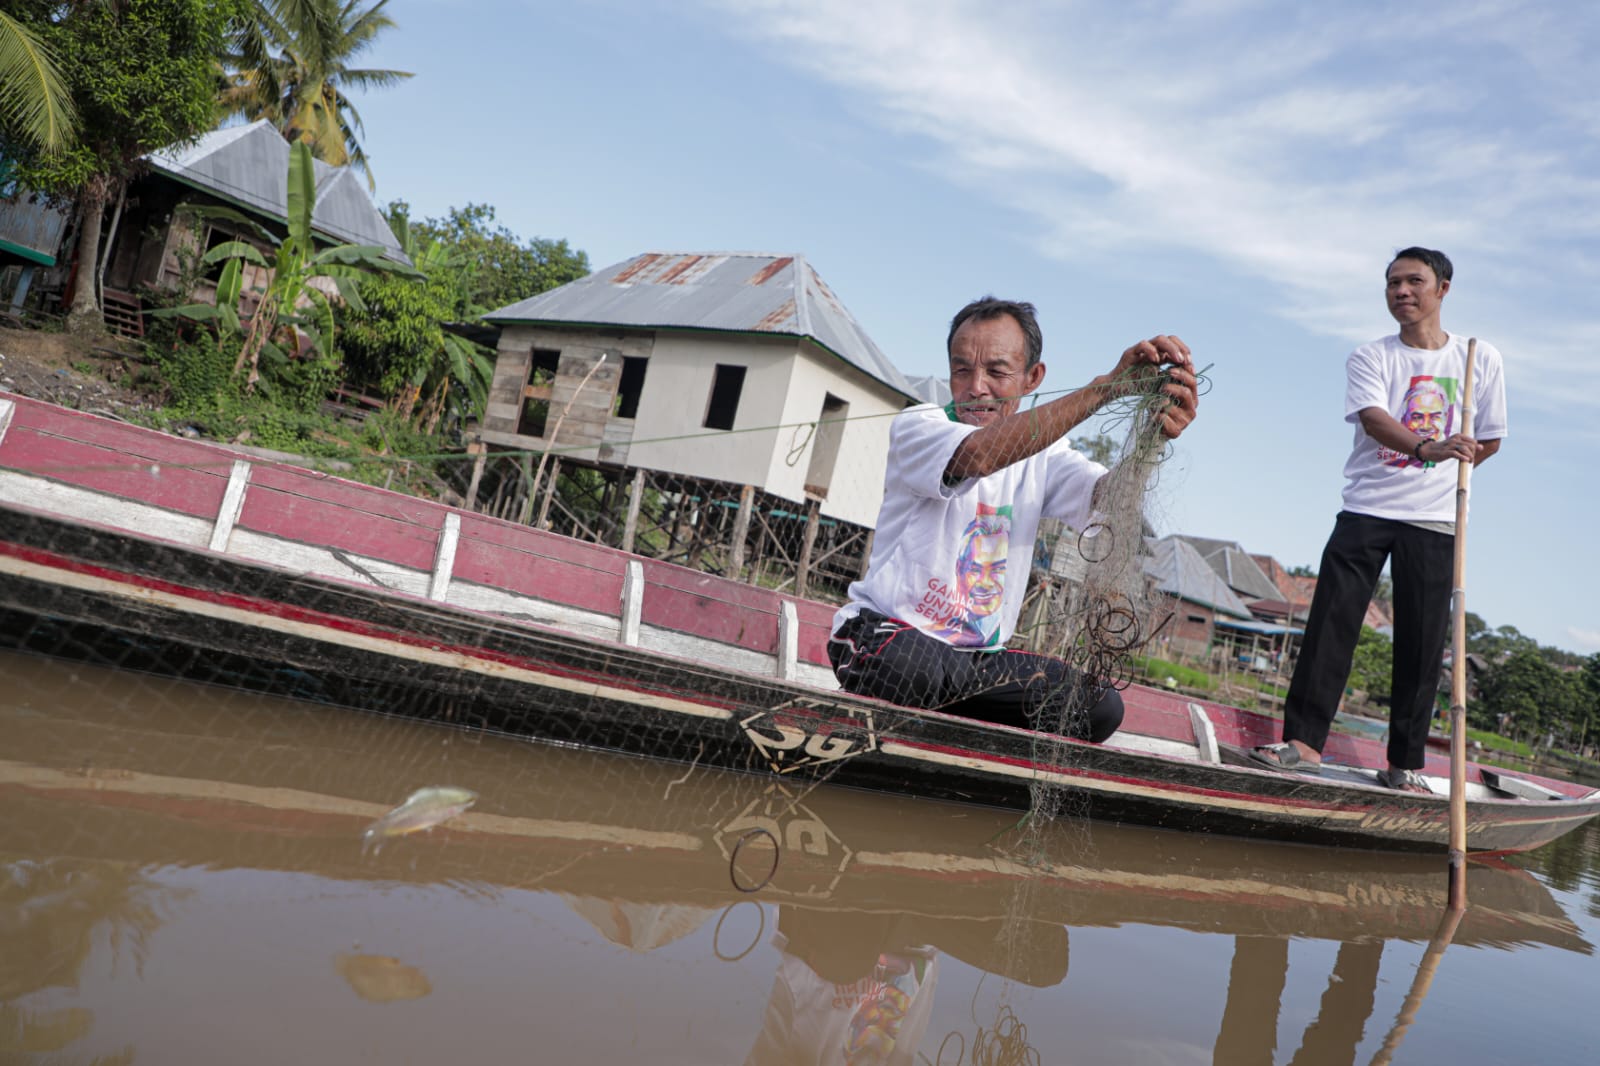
[{"x": 423, "y": 809}]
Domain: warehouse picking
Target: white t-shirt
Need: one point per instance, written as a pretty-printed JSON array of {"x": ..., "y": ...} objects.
[
  {"x": 1421, "y": 388},
  {"x": 941, "y": 553}
]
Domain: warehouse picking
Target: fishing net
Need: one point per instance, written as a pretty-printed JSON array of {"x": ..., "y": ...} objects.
[{"x": 501, "y": 610}]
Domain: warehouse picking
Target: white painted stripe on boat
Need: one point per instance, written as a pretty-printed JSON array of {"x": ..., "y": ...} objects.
[
  {"x": 232, "y": 504},
  {"x": 788, "y": 639},
  {"x": 1205, "y": 734},
  {"x": 444, "y": 560},
  {"x": 1121, "y": 788},
  {"x": 7, "y": 409},
  {"x": 297, "y": 558},
  {"x": 329, "y": 634},
  {"x": 60, "y": 500},
  {"x": 632, "y": 606}
]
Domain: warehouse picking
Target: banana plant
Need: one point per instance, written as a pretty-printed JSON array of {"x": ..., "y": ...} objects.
[{"x": 291, "y": 310}]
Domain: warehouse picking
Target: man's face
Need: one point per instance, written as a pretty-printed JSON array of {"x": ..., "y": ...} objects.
[
  {"x": 1425, "y": 413},
  {"x": 989, "y": 372},
  {"x": 1413, "y": 292},
  {"x": 981, "y": 573}
]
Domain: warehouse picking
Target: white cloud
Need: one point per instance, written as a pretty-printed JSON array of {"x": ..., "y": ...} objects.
[
  {"x": 1294, "y": 144},
  {"x": 1584, "y": 640}
]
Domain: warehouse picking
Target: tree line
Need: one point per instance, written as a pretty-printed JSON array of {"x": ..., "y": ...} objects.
[{"x": 1523, "y": 690}]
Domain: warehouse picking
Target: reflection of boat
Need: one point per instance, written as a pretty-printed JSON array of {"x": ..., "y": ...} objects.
[
  {"x": 189, "y": 777},
  {"x": 170, "y": 555}
]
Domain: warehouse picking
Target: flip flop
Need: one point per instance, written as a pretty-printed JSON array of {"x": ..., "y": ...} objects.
[
  {"x": 1403, "y": 780},
  {"x": 1284, "y": 758}
]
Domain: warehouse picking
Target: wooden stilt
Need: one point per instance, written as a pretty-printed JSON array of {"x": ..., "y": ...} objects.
[
  {"x": 803, "y": 569},
  {"x": 741, "y": 530},
  {"x": 630, "y": 527}
]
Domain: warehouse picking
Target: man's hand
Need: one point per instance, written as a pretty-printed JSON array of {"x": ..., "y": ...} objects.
[
  {"x": 1161, "y": 355},
  {"x": 1459, "y": 447}
]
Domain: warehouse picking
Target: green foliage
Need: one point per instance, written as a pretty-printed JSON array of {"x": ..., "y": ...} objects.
[
  {"x": 294, "y": 316},
  {"x": 1302, "y": 571},
  {"x": 397, "y": 333},
  {"x": 495, "y": 266},
  {"x": 1519, "y": 691},
  {"x": 289, "y": 62},
  {"x": 1372, "y": 668},
  {"x": 1100, "y": 448},
  {"x": 1158, "y": 670},
  {"x": 140, "y": 73},
  {"x": 35, "y": 105}
]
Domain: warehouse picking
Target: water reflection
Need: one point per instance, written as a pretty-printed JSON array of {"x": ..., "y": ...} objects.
[{"x": 605, "y": 907}]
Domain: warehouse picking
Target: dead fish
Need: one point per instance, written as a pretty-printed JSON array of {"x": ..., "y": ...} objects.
[{"x": 423, "y": 809}]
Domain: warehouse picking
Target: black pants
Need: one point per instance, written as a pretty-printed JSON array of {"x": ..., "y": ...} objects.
[
  {"x": 873, "y": 655},
  {"x": 1422, "y": 571}
]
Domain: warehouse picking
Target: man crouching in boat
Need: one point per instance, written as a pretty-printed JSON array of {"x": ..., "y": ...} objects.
[{"x": 928, "y": 625}]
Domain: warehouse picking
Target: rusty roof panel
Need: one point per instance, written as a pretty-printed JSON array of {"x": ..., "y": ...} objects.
[
  {"x": 735, "y": 291},
  {"x": 766, "y": 273}
]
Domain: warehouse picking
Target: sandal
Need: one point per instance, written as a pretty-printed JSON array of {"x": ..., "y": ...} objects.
[
  {"x": 1403, "y": 780},
  {"x": 1284, "y": 758}
]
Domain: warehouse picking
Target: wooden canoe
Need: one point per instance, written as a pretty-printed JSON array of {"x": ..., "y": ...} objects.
[{"x": 153, "y": 552}]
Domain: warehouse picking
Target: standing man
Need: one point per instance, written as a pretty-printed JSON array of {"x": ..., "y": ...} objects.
[
  {"x": 1403, "y": 393},
  {"x": 928, "y": 625}
]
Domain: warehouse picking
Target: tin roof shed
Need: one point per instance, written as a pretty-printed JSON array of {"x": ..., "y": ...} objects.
[
  {"x": 733, "y": 292},
  {"x": 248, "y": 166}
]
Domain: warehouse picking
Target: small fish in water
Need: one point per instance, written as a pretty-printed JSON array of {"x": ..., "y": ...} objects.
[{"x": 423, "y": 809}]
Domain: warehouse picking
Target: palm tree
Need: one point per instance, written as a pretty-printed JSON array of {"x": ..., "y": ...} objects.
[
  {"x": 34, "y": 102},
  {"x": 290, "y": 64}
]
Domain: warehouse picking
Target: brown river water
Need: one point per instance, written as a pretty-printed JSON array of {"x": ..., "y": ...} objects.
[{"x": 186, "y": 876}]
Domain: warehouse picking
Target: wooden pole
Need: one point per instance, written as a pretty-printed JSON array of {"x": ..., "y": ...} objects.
[
  {"x": 549, "y": 491},
  {"x": 630, "y": 528},
  {"x": 481, "y": 450},
  {"x": 802, "y": 572},
  {"x": 1458, "y": 662},
  {"x": 741, "y": 531}
]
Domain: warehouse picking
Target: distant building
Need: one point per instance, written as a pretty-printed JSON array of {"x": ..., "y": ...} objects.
[
  {"x": 148, "y": 244},
  {"x": 738, "y": 368},
  {"x": 1201, "y": 598}
]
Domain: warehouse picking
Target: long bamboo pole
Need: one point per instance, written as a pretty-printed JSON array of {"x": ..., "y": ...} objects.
[{"x": 1458, "y": 662}]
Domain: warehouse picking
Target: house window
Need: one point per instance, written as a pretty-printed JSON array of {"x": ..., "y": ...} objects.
[
  {"x": 1198, "y": 619},
  {"x": 630, "y": 386},
  {"x": 536, "y": 392},
  {"x": 726, "y": 386},
  {"x": 825, "y": 445}
]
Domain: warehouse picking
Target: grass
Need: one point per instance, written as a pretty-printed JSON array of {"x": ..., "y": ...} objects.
[{"x": 1158, "y": 670}]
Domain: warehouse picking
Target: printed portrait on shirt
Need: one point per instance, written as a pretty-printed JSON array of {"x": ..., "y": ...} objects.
[
  {"x": 1429, "y": 411},
  {"x": 966, "y": 610}
]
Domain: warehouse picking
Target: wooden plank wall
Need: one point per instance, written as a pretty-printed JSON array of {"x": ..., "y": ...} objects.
[{"x": 588, "y": 422}]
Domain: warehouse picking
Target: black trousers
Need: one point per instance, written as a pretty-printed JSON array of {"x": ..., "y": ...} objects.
[
  {"x": 1422, "y": 572},
  {"x": 874, "y": 655}
]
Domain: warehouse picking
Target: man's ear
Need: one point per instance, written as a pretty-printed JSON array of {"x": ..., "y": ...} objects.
[
  {"x": 1444, "y": 287},
  {"x": 1032, "y": 377}
]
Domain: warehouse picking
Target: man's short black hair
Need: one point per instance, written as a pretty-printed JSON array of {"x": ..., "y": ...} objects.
[
  {"x": 988, "y": 308},
  {"x": 1437, "y": 262}
]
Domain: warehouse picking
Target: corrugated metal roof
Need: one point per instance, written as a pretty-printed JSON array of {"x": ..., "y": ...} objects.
[
  {"x": 930, "y": 388},
  {"x": 1236, "y": 566},
  {"x": 1180, "y": 571},
  {"x": 249, "y": 166},
  {"x": 742, "y": 292}
]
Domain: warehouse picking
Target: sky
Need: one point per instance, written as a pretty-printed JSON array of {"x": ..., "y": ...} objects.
[{"x": 1235, "y": 172}]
